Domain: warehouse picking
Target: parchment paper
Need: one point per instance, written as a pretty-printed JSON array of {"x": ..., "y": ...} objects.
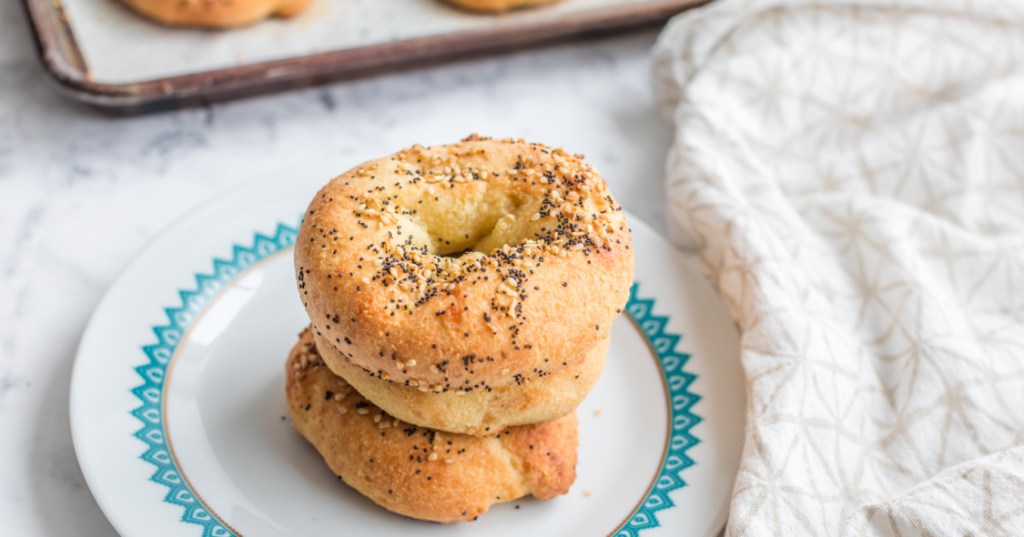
[{"x": 121, "y": 47}]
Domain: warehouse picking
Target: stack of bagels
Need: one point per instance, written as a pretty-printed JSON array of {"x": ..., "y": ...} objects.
[{"x": 460, "y": 299}]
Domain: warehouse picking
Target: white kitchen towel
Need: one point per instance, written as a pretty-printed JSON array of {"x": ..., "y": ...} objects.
[{"x": 852, "y": 176}]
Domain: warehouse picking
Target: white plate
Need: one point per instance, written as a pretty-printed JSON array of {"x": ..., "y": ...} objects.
[{"x": 177, "y": 400}]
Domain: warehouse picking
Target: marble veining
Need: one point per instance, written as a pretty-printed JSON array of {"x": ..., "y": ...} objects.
[{"x": 82, "y": 192}]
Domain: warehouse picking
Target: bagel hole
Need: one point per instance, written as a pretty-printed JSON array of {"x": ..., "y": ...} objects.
[
  {"x": 456, "y": 255},
  {"x": 474, "y": 218}
]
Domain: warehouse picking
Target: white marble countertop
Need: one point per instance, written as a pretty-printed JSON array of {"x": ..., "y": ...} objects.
[{"x": 81, "y": 192}]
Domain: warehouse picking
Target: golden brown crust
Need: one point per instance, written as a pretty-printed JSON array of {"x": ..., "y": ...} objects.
[
  {"x": 498, "y": 6},
  {"x": 480, "y": 412},
  {"x": 215, "y": 13},
  {"x": 419, "y": 472},
  {"x": 387, "y": 274}
]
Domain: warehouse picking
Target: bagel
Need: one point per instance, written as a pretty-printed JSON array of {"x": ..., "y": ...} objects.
[
  {"x": 480, "y": 412},
  {"x": 464, "y": 267},
  {"x": 215, "y": 13},
  {"x": 417, "y": 472},
  {"x": 498, "y": 6}
]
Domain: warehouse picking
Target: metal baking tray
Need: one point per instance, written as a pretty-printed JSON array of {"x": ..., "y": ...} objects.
[{"x": 101, "y": 53}]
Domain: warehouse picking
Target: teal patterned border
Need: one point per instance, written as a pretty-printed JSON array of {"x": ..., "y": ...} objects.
[
  {"x": 150, "y": 392},
  {"x": 681, "y": 416}
]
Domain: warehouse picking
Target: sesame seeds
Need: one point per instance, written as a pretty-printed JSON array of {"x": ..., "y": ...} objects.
[{"x": 410, "y": 268}]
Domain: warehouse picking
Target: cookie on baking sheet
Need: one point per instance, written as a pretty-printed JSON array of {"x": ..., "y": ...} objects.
[
  {"x": 215, "y": 13},
  {"x": 498, "y": 6},
  {"x": 418, "y": 472}
]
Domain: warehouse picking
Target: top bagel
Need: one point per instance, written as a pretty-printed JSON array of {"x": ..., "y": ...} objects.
[{"x": 466, "y": 266}]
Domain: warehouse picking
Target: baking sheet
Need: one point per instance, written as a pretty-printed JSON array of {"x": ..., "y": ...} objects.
[{"x": 120, "y": 47}]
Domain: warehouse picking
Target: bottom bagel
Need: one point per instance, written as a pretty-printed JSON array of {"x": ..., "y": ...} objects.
[{"x": 417, "y": 472}]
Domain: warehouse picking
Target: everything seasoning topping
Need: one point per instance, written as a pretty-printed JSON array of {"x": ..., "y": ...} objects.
[
  {"x": 431, "y": 447},
  {"x": 569, "y": 211}
]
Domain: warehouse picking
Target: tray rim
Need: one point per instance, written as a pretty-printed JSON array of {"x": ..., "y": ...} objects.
[{"x": 62, "y": 59}]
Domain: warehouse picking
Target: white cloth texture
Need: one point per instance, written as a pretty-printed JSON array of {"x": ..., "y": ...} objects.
[{"x": 852, "y": 177}]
